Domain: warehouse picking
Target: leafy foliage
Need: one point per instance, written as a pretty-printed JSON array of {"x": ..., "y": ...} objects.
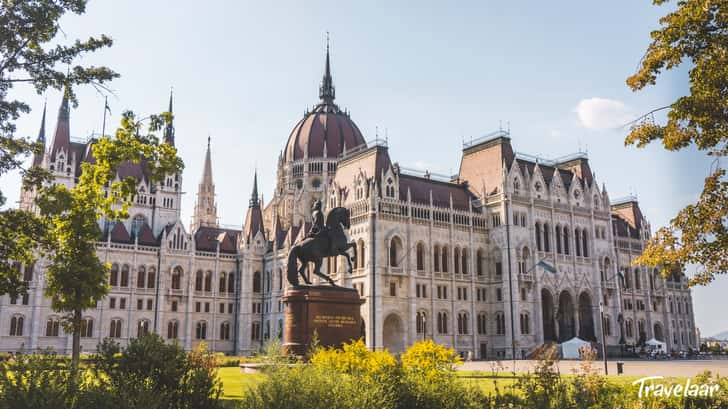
[
  {"x": 696, "y": 33},
  {"x": 30, "y": 54}
]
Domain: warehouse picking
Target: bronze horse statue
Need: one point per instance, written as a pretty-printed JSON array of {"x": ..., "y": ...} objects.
[{"x": 331, "y": 242}]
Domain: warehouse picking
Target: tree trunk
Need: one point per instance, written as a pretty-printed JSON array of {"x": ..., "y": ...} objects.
[{"x": 76, "y": 348}]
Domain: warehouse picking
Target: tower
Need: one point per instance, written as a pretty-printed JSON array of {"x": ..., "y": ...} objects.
[{"x": 205, "y": 208}]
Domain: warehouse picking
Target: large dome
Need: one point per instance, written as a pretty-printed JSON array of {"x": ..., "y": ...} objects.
[{"x": 326, "y": 131}]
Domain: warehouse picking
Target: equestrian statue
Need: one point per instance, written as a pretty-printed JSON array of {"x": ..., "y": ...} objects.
[{"x": 324, "y": 239}]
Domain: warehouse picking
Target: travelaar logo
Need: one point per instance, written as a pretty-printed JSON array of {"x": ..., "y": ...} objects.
[{"x": 650, "y": 388}]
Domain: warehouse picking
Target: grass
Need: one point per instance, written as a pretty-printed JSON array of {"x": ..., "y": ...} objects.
[{"x": 235, "y": 382}]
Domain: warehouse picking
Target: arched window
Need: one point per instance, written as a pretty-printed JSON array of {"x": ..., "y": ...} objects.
[
  {"x": 442, "y": 327},
  {"x": 361, "y": 256},
  {"x": 222, "y": 287},
  {"x": 584, "y": 246},
  {"x": 629, "y": 328},
  {"x": 172, "y": 329},
  {"x": 53, "y": 325},
  {"x": 141, "y": 277},
  {"x": 421, "y": 323},
  {"x": 16, "y": 326},
  {"x": 115, "y": 328},
  {"x": 420, "y": 256},
  {"x": 482, "y": 324},
  {"x": 546, "y": 237},
  {"x": 114, "y": 275},
  {"x": 500, "y": 323},
  {"x": 125, "y": 275},
  {"x": 201, "y": 330},
  {"x": 143, "y": 328},
  {"x": 566, "y": 240},
  {"x": 577, "y": 240},
  {"x": 525, "y": 324},
  {"x": 395, "y": 251},
  {"x": 231, "y": 282},
  {"x": 539, "y": 234},
  {"x": 637, "y": 281},
  {"x": 456, "y": 260},
  {"x": 198, "y": 280},
  {"x": 87, "y": 327},
  {"x": 516, "y": 186},
  {"x": 559, "y": 239},
  {"x": 436, "y": 258},
  {"x": 177, "y": 278},
  {"x": 464, "y": 260},
  {"x": 225, "y": 331},
  {"x": 208, "y": 281},
  {"x": 479, "y": 262},
  {"x": 151, "y": 277},
  {"x": 463, "y": 323},
  {"x": 256, "y": 282},
  {"x": 444, "y": 260}
]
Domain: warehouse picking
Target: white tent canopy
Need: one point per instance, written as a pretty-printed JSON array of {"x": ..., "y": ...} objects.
[
  {"x": 571, "y": 349},
  {"x": 659, "y": 345}
]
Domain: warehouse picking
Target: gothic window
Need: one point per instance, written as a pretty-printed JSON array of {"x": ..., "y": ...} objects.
[
  {"x": 444, "y": 260},
  {"x": 637, "y": 281},
  {"x": 142, "y": 328},
  {"x": 456, "y": 259},
  {"x": 177, "y": 278},
  {"x": 208, "y": 281},
  {"x": 16, "y": 326},
  {"x": 198, "y": 280},
  {"x": 566, "y": 240},
  {"x": 546, "y": 237},
  {"x": 361, "y": 256},
  {"x": 584, "y": 246},
  {"x": 141, "y": 276},
  {"x": 479, "y": 262},
  {"x": 482, "y": 324},
  {"x": 558, "y": 239},
  {"x": 421, "y": 323},
  {"x": 225, "y": 331},
  {"x": 395, "y": 249},
  {"x": 172, "y": 329},
  {"x": 114, "y": 275},
  {"x": 464, "y": 260},
  {"x": 516, "y": 187},
  {"x": 525, "y": 324},
  {"x": 201, "y": 330},
  {"x": 420, "y": 256},
  {"x": 436, "y": 258},
  {"x": 151, "y": 277},
  {"x": 231, "y": 282},
  {"x": 28, "y": 272},
  {"x": 256, "y": 282},
  {"x": 87, "y": 327},
  {"x": 125, "y": 275},
  {"x": 52, "y": 327},
  {"x": 500, "y": 323},
  {"x": 115, "y": 328},
  {"x": 442, "y": 327},
  {"x": 463, "y": 323},
  {"x": 539, "y": 234},
  {"x": 222, "y": 287}
]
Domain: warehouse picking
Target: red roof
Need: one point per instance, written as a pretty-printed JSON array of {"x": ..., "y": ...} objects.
[
  {"x": 206, "y": 239},
  {"x": 119, "y": 234},
  {"x": 325, "y": 125},
  {"x": 420, "y": 189},
  {"x": 146, "y": 237},
  {"x": 253, "y": 223}
]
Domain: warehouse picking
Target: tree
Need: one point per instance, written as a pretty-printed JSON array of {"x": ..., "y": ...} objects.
[
  {"x": 77, "y": 279},
  {"x": 29, "y": 55},
  {"x": 696, "y": 32}
]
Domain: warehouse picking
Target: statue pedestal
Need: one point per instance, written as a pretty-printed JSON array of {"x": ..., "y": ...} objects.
[{"x": 331, "y": 312}]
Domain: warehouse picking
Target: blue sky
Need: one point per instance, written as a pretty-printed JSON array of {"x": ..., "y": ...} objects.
[{"x": 429, "y": 73}]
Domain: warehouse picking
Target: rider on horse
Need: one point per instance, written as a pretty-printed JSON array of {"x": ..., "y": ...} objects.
[{"x": 318, "y": 227}]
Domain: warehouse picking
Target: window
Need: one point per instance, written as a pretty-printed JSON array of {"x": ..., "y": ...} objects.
[
  {"x": 256, "y": 282},
  {"x": 222, "y": 287},
  {"x": 479, "y": 262},
  {"x": 546, "y": 237},
  {"x": 115, "y": 328},
  {"x": 201, "y": 330},
  {"x": 207, "y": 307},
  {"x": 231, "y": 282},
  {"x": 140, "y": 304},
  {"x": 141, "y": 277},
  {"x": 538, "y": 237},
  {"x": 114, "y": 275},
  {"x": 172, "y": 329},
  {"x": 225, "y": 331},
  {"x": 495, "y": 219},
  {"x": 436, "y": 258},
  {"x": 28, "y": 272},
  {"x": 222, "y": 308},
  {"x": 174, "y": 306},
  {"x": 125, "y": 275},
  {"x": 112, "y": 303},
  {"x": 421, "y": 323},
  {"x": 255, "y": 331},
  {"x": 500, "y": 323},
  {"x": 143, "y": 328},
  {"x": 463, "y": 323},
  {"x": 198, "y": 280},
  {"x": 629, "y": 328},
  {"x": 122, "y": 303},
  {"x": 395, "y": 248},
  {"x": 442, "y": 322},
  {"x": 456, "y": 260},
  {"x": 464, "y": 260},
  {"x": 177, "y": 278},
  {"x": 198, "y": 306},
  {"x": 525, "y": 324},
  {"x": 637, "y": 281},
  {"x": 498, "y": 269},
  {"x": 607, "y": 325},
  {"x": 52, "y": 327},
  {"x": 444, "y": 260},
  {"x": 16, "y": 326},
  {"x": 150, "y": 304},
  {"x": 87, "y": 327},
  {"x": 482, "y": 324},
  {"x": 392, "y": 289},
  {"x": 151, "y": 277},
  {"x": 360, "y": 256},
  {"x": 208, "y": 281},
  {"x": 498, "y": 294},
  {"x": 420, "y": 256}
]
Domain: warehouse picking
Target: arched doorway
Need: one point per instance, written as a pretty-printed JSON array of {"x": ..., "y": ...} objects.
[
  {"x": 586, "y": 318},
  {"x": 658, "y": 335},
  {"x": 565, "y": 317},
  {"x": 393, "y": 334},
  {"x": 547, "y": 314}
]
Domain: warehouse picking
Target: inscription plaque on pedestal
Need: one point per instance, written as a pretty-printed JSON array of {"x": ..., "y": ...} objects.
[{"x": 332, "y": 313}]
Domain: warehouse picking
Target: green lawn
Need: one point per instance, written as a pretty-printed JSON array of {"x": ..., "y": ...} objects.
[{"x": 235, "y": 382}]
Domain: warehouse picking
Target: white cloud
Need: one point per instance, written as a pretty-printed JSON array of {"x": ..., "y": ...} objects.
[{"x": 602, "y": 113}]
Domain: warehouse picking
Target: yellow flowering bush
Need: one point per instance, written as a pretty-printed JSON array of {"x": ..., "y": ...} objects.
[
  {"x": 430, "y": 360},
  {"x": 355, "y": 359}
]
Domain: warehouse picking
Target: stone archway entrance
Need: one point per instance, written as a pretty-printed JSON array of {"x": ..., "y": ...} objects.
[
  {"x": 393, "y": 334},
  {"x": 586, "y": 318},
  {"x": 547, "y": 314},
  {"x": 565, "y": 316}
]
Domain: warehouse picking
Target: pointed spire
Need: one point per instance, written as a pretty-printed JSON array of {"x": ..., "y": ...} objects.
[
  {"x": 254, "y": 202},
  {"x": 38, "y": 157},
  {"x": 327, "y": 93},
  {"x": 205, "y": 208},
  {"x": 169, "y": 129},
  {"x": 207, "y": 169},
  {"x": 62, "y": 136}
]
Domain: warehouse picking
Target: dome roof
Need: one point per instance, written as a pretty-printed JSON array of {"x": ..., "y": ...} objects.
[{"x": 325, "y": 131}]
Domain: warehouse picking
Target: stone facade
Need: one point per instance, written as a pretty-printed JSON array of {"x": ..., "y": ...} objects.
[{"x": 510, "y": 253}]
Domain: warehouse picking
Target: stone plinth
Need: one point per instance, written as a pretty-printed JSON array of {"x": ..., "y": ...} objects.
[{"x": 331, "y": 312}]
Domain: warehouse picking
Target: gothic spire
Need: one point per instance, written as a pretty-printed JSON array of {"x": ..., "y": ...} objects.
[
  {"x": 254, "y": 202},
  {"x": 327, "y": 93},
  {"x": 169, "y": 129},
  {"x": 207, "y": 169},
  {"x": 205, "y": 208},
  {"x": 38, "y": 157},
  {"x": 62, "y": 136}
]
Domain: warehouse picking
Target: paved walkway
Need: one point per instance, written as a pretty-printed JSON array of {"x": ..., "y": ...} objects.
[{"x": 678, "y": 367}]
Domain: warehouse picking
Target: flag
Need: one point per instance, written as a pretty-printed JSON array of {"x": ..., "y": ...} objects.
[
  {"x": 546, "y": 266},
  {"x": 106, "y": 105}
]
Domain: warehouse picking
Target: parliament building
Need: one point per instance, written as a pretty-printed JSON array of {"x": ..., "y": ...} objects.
[{"x": 510, "y": 253}]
